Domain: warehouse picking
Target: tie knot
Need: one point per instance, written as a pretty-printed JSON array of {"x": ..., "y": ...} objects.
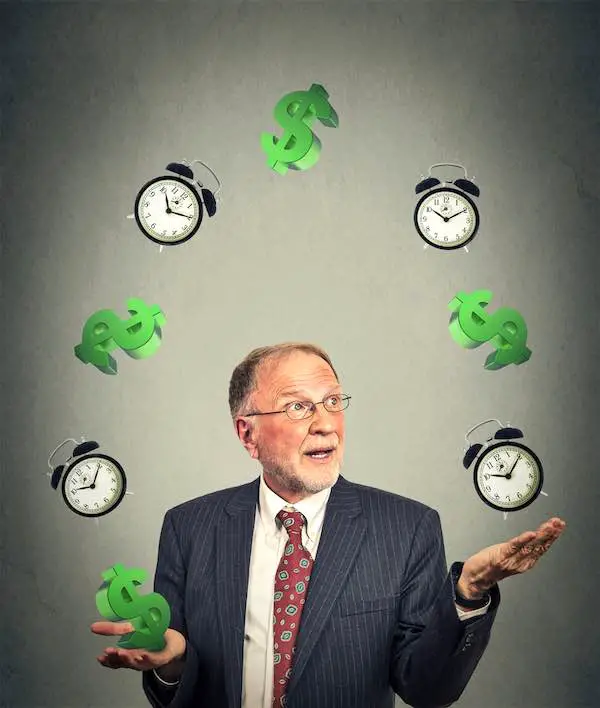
[{"x": 292, "y": 521}]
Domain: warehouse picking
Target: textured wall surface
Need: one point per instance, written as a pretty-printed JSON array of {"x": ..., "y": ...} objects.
[{"x": 98, "y": 98}]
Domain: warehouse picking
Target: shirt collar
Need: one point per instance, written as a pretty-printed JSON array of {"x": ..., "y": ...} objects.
[{"x": 270, "y": 504}]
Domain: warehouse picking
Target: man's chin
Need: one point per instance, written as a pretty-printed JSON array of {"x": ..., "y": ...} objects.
[
  {"x": 308, "y": 479},
  {"x": 315, "y": 480}
]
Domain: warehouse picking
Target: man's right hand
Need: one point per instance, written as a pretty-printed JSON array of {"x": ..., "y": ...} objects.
[{"x": 138, "y": 659}]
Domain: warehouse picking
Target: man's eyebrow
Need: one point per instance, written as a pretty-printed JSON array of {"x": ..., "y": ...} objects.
[{"x": 288, "y": 393}]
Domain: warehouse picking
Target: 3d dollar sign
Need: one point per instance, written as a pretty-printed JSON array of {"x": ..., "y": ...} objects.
[
  {"x": 117, "y": 598},
  {"x": 299, "y": 147},
  {"x": 470, "y": 326},
  {"x": 139, "y": 336}
]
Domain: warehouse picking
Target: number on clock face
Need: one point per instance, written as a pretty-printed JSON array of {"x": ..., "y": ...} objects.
[
  {"x": 168, "y": 211},
  {"x": 508, "y": 492},
  {"x": 446, "y": 219},
  {"x": 107, "y": 490}
]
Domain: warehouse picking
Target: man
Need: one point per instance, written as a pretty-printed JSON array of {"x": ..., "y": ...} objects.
[{"x": 305, "y": 590}]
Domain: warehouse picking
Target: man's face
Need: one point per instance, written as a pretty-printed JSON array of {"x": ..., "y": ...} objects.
[{"x": 281, "y": 444}]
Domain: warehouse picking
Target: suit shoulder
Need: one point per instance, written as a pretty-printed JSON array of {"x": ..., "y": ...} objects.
[
  {"x": 392, "y": 500},
  {"x": 214, "y": 501}
]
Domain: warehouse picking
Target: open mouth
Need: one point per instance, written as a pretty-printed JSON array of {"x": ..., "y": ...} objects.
[{"x": 322, "y": 454}]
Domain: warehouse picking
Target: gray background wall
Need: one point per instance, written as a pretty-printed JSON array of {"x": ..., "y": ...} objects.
[{"x": 97, "y": 98}]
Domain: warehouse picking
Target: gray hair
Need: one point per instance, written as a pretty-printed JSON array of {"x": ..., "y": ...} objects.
[{"x": 243, "y": 381}]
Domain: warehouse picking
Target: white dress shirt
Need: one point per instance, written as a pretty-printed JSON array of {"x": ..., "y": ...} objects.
[{"x": 268, "y": 543}]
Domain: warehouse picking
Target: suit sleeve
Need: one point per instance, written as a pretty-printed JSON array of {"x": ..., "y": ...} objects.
[
  {"x": 169, "y": 581},
  {"x": 434, "y": 654}
]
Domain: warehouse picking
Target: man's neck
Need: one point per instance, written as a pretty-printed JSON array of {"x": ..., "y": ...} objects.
[{"x": 289, "y": 496}]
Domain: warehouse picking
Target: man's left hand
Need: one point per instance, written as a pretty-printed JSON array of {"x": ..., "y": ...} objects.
[{"x": 494, "y": 563}]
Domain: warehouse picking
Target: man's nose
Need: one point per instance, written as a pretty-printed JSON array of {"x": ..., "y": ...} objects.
[{"x": 322, "y": 419}]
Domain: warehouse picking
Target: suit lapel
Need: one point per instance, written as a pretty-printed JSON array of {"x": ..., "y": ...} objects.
[
  {"x": 343, "y": 532},
  {"x": 233, "y": 548}
]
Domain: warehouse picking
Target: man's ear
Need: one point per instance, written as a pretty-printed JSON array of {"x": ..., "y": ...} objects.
[{"x": 246, "y": 432}]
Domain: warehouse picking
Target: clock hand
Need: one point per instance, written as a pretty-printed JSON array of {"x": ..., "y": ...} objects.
[
  {"x": 166, "y": 200},
  {"x": 187, "y": 216},
  {"x": 445, "y": 218},
  {"x": 457, "y": 213},
  {"x": 97, "y": 468},
  {"x": 500, "y": 475},
  {"x": 509, "y": 474}
]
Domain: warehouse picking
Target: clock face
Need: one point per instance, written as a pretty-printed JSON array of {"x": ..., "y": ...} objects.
[
  {"x": 508, "y": 476},
  {"x": 94, "y": 485},
  {"x": 168, "y": 211},
  {"x": 446, "y": 218}
]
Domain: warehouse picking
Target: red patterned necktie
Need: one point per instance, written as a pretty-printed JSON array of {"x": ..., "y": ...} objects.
[{"x": 291, "y": 586}]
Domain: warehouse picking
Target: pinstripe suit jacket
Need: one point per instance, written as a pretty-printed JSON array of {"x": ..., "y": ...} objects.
[{"x": 379, "y": 617}]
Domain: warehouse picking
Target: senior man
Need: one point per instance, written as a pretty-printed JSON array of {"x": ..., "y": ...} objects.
[{"x": 303, "y": 589}]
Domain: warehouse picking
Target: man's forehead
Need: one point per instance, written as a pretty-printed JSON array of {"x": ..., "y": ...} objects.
[{"x": 293, "y": 375}]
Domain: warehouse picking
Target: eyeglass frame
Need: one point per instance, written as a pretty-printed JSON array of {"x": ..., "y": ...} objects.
[{"x": 312, "y": 409}]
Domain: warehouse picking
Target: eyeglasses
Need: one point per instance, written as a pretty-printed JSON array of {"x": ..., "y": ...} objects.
[{"x": 297, "y": 410}]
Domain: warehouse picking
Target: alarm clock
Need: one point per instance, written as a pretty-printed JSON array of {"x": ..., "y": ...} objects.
[
  {"x": 445, "y": 216},
  {"x": 93, "y": 484},
  {"x": 169, "y": 209},
  {"x": 507, "y": 475}
]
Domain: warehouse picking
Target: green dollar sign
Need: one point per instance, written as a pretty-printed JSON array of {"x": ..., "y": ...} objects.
[
  {"x": 139, "y": 336},
  {"x": 470, "y": 326},
  {"x": 299, "y": 147},
  {"x": 117, "y": 598}
]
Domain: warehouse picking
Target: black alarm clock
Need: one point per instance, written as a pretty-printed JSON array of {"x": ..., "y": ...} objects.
[
  {"x": 169, "y": 209},
  {"x": 445, "y": 216},
  {"x": 507, "y": 475},
  {"x": 93, "y": 484}
]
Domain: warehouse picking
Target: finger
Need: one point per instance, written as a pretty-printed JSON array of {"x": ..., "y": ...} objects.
[
  {"x": 554, "y": 526},
  {"x": 110, "y": 661},
  {"x": 116, "y": 658},
  {"x": 547, "y": 532},
  {"x": 123, "y": 655},
  {"x": 545, "y": 543},
  {"x": 110, "y": 653},
  {"x": 546, "y": 528},
  {"x": 126, "y": 659},
  {"x": 532, "y": 550},
  {"x": 108, "y": 664},
  {"x": 538, "y": 547},
  {"x": 517, "y": 543},
  {"x": 136, "y": 655},
  {"x": 144, "y": 662},
  {"x": 122, "y": 659},
  {"x": 112, "y": 628}
]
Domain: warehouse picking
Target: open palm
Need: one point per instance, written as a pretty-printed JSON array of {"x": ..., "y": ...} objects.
[
  {"x": 137, "y": 659},
  {"x": 519, "y": 554}
]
